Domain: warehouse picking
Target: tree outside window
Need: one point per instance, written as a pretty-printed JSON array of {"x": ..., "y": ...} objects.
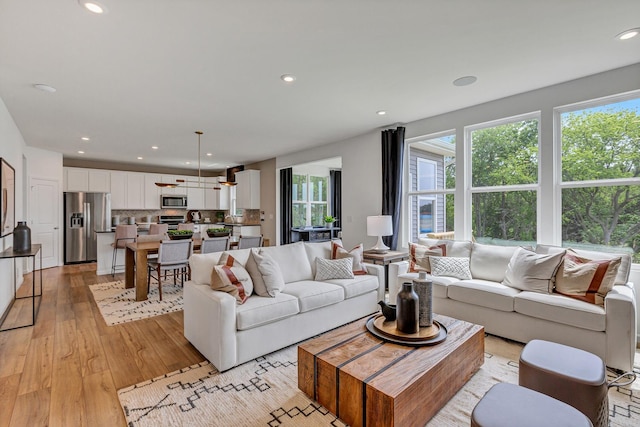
[{"x": 601, "y": 177}]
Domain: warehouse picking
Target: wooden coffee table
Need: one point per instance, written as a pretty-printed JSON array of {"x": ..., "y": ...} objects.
[{"x": 369, "y": 382}]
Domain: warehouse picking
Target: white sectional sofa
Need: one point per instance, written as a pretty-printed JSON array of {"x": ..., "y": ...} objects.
[
  {"x": 228, "y": 333},
  {"x": 521, "y": 315}
]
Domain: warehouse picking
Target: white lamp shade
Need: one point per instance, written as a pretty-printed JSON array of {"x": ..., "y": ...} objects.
[{"x": 379, "y": 225}]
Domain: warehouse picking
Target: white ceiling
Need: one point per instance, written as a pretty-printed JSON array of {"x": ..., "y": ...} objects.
[{"x": 151, "y": 72}]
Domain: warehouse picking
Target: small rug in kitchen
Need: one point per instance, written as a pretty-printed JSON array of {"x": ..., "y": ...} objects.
[{"x": 119, "y": 305}]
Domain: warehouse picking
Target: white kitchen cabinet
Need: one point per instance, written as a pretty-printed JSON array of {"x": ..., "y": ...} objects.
[
  {"x": 135, "y": 190},
  {"x": 118, "y": 181},
  {"x": 216, "y": 199},
  {"x": 195, "y": 196},
  {"x": 246, "y": 230},
  {"x": 99, "y": 181},
  {"x": 151, "y": 191},
  {"x": 171, "y": 179},
  {"x": 76, "y": 179},
  {"x": 248, "y": 189}
]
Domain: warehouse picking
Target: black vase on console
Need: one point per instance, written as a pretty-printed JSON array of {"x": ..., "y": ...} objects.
[
  {"x": 407, "y": 309},
  {"x": 22, "y": 237}
]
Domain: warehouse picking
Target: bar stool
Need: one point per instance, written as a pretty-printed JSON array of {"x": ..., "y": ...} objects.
[
  {"x": 186, "y": 226},
  {"x": 124, "y": 234}
]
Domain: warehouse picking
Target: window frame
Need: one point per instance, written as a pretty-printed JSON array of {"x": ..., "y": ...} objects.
[{"x": 310, "y": 203}]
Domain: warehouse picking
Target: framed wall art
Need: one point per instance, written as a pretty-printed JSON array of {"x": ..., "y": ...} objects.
[{"x": 7, "y": 198}]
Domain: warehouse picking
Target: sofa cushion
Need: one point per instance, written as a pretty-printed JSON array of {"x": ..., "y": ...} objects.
[
  {"x": 231, "y": 277},
  {"x": 357, "y": 253},
  {"x": 293, "y": 261},
  {"x": 419, "y": 256},
  {"x": 265, "y": 273},
  {"x": 359, "y": 285},
  {"x": 327, "y": 269},
  {"x": 483, "y": 293},
  {"x": 457, "y": 248},
  {"x": 202, "y": 264},
  {"x": 585, "y": 279},
  {"x": 529, "y": 271},
  {"x": 257, "y": 311},
  {"x": 489, "y": 262},
  {"x": 450, "y": 267},
  {"x": 625, "y": 265},
  {"x": 312, "y": 294},
  {"x": 561, "y": 309},
  {"x": 317, "y": 250},
  {"x": 440, "y": 284}
]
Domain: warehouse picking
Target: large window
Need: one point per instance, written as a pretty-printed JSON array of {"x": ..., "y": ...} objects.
[
  {"x": 432, "y": 183},
  {"x": 600, "y": 188},
  {"x": 504, "y": 180},
  {"x": 310, "y": 199}
]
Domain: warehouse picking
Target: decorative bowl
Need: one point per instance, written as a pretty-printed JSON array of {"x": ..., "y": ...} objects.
[
  {"x": 218, "y": 232},
  {"x": 180, "y": 234}
]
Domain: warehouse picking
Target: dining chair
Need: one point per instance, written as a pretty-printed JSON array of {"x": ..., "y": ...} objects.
[
  {"x": 158, "y": 229},
  {"x": 124, "y": 234},
  {"x": 245, "y": 242},
  {"x": 186, "y": 226},
  {"x": 214, "y": 244},
  {"x": 172, "y": 255},
  {"x": 151, "y": 238}
]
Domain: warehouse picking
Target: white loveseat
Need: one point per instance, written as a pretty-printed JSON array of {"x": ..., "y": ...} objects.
[
  {"x": 228, "y": 333},
  {"x": 608, "y": 331}
]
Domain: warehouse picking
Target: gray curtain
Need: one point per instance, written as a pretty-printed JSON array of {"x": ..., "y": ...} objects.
[
  {"x": 392, "y": 165},
  {"x": 335, "y": 178},
  {"x": 286, "y": 205}
]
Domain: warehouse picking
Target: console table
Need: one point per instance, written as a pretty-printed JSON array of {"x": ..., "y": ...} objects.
[
  {"x": 316, "y": 234},
  {"x": 10, "y": 253}
]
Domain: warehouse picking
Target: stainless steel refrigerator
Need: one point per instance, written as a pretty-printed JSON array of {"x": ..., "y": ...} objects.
[{"x": 84, "y": 213}]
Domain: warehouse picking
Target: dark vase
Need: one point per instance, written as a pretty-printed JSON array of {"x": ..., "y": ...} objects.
[
  {"x": 22, "y": 237},
  {"x": 407, "y": 309}
]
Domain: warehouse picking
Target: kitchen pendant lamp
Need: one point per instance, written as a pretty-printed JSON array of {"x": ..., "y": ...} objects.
[{"x": 199, "y": 184}]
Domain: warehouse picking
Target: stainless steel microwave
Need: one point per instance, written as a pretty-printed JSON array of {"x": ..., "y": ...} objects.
[{"x": 173, "y": 201}]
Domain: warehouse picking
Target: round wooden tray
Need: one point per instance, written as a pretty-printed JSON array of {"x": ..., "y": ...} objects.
[{"x": 386, "y": 330}]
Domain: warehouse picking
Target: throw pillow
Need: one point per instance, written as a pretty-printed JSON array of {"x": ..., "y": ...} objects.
[
  {"x": 529, "y": 271},
  {"x": 270, "y": 281},
  {"x": 230, "y": 276},
  {"x": 357, "y": 253},
  {"x": 327, "y": 269},
  {"x": 450, "y": 266},
  {"x": 586, "y": 279},
  {"x": 419, "y": 256}
]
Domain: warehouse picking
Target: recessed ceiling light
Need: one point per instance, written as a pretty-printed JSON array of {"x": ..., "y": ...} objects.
[
  {"x": 85, "y": 138},
  {"x": 44, "y": 88},
  {"x": 626, "y": 35},
  {"x": 140, "y": 158},
  {"x": 93, "y": 6},
  {"x": 209, "y": 154},
  {"x": 187, "y": 163},
  {"x": 381, "y": 112},
  {"x": 288, "y": 78},
  {"x": 465, "y": 81},
  {"x": 80, "y": 152}
]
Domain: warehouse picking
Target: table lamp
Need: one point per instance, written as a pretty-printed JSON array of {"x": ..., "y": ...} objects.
[{"x": 379, "y": 225}]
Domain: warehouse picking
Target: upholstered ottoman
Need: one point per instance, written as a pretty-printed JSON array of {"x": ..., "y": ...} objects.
[
  {"x": 571, "y": 375},
  {"x": 508, "y": 405}
]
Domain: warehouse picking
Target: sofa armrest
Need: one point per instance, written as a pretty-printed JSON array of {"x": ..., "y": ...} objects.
[
  {"x": 621, "y": 317},
  {"x": 396, "y": 269},
  {"x": 377, "y": 270},
  {"x": 210, "y": 324}
]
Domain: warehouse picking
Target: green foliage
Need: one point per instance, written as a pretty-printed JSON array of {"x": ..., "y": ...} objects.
[
  {"x": 179, "y": 232},
  {"x": 218, "y": 230},
  {"x": 329, "y": 219}
]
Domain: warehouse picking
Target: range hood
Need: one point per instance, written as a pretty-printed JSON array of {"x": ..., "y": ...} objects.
[{"x": 231, "y": 175}]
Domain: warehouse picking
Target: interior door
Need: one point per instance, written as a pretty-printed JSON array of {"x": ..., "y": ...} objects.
[{"x": 44, "y": 203}]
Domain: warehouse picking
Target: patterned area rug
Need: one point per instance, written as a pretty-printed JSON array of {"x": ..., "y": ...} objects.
[
  {"x": 264, "y": 392},
  {"x": 119, "y": 305}
]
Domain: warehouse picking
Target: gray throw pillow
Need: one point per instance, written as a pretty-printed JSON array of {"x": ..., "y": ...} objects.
[
  {"x": 265, "y": 272},
  {"x": 327, "y": 269}
]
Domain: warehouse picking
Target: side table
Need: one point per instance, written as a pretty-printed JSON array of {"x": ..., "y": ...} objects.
[
  {"x": 10, "y": 253},
  {"x": 385, "y": 259}
]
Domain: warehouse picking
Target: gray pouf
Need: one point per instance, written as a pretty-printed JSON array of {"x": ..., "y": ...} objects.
[
  {"x": 509, "y": 405},
  {"x": 571, "y": 375}
]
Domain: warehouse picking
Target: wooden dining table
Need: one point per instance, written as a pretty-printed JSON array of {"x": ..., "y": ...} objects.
[{"x": 136, "y": 254}]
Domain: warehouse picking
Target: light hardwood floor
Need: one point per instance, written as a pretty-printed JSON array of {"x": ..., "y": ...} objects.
[{"x": 65, "y": 370}]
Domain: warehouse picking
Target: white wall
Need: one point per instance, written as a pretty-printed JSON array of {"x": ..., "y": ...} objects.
[{"x": 11, "y": 149}]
